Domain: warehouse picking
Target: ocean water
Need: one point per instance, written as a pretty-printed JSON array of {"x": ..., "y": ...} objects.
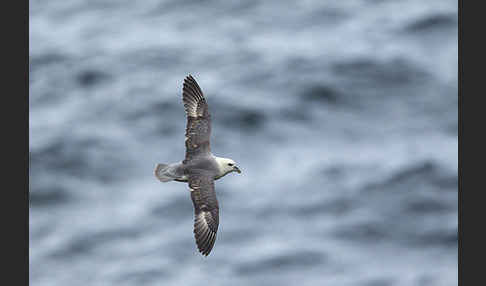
[{"x": 341, "y": 114}]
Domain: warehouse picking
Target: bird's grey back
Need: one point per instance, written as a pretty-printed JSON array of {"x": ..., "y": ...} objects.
[{"x": 205, "y": 162}]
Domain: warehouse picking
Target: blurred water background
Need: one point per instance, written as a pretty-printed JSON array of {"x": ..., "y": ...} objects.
[{"x": 341, "y": 114}]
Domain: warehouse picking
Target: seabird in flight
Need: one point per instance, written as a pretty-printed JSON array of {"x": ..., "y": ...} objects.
[{"x": 200, "y": 168}]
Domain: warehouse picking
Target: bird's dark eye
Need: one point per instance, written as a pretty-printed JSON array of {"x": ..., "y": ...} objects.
[{"x": 230, "y": 164}]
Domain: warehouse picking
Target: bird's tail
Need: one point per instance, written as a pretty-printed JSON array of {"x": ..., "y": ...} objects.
[{"x": 161, "y": 173}]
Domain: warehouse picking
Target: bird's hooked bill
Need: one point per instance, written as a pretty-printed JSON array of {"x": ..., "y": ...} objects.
[{"x": 237, "y": 169}]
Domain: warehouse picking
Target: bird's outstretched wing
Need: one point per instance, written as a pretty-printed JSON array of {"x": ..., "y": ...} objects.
[
  {"x": 198, "y": 129},
  {"x": 206, "y": 211}
]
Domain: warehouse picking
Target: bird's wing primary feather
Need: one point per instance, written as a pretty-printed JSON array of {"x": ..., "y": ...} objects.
[
  {"x": 206, "y": 211},
  {"x": 198, "y": 129}
]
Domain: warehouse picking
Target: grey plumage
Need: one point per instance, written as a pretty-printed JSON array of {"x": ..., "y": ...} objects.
[
  {"x": 200, "y": 167},
  {"x": 206, "y": 210},
  {"x": 170, "y": 172},
  {"x": 198, "y": 129}
]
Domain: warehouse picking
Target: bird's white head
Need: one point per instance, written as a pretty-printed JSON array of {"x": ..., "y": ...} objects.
[{"x": 226, "y": 166}]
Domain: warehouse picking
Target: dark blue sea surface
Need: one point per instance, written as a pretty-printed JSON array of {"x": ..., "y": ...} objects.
[{"x": 341, "y": 114}]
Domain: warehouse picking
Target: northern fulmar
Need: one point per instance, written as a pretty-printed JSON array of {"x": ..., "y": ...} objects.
[{"x": 200, "y": 168}]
